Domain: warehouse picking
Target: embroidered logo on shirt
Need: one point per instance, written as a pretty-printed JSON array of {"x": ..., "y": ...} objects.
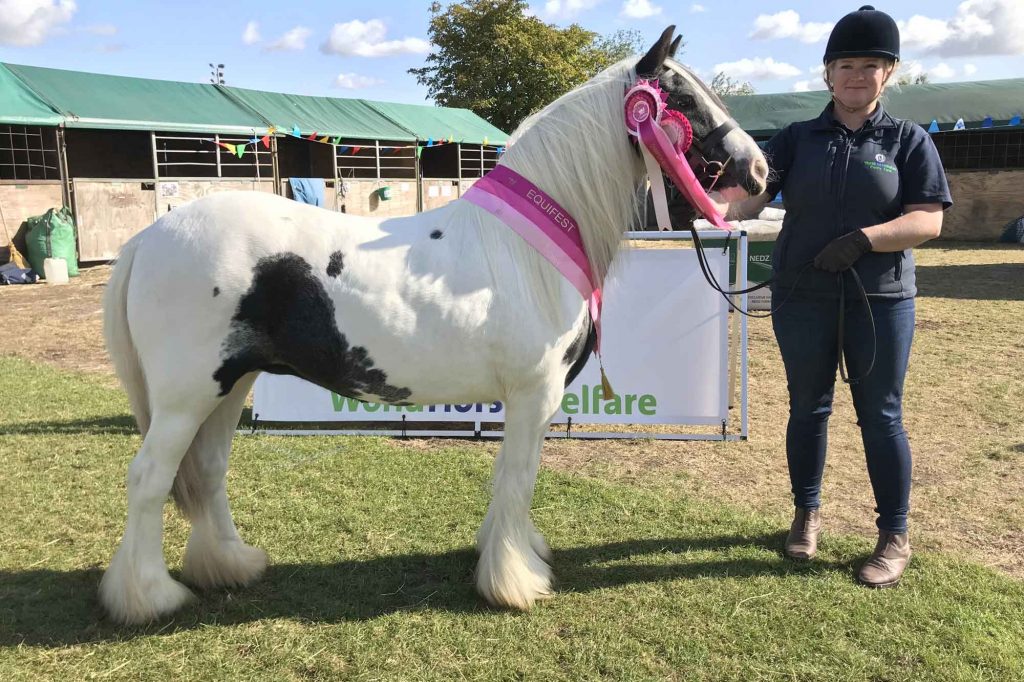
[{"x": 879, "y": 165}]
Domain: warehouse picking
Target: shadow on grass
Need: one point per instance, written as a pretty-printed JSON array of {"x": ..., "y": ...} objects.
[
  {"x": 57, "y": 608},
  {"x": 992, "y": 282},
  {"x": 117, "y": 424}
]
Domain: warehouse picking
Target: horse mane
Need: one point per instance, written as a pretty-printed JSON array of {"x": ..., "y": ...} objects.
[{"x": 577, "y": 150}]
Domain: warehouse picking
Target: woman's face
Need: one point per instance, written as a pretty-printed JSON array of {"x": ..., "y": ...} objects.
[{"x": 858, "y": 81}]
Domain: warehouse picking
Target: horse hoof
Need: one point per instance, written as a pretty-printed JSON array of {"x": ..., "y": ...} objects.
[
  {"x": 234, "y": 564},
  {"x": 510, "y": 579},
  {"x": 137, "y": 601}
]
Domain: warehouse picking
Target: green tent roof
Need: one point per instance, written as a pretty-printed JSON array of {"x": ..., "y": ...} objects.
[
  {"x": 763, "y": 115},
  {"x": 33, "y": 94},
  {"x": 91, "y": 100},
  {"x": 440, "y": 123},
  {"x": 20, "y": 106},
  {"x": 324, "y": 115}
]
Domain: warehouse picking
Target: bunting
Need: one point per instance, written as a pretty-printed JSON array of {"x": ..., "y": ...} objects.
[{"x": 239, "y": 148}]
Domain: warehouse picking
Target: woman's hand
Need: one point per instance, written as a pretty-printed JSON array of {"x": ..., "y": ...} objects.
[{"x": 842, "y": 252}]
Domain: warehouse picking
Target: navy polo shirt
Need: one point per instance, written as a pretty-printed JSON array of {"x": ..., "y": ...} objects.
[{"x": 835, "y": 181}]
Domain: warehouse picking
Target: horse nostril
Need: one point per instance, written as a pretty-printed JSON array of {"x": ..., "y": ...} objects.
[{"x": 759, "y": 169}]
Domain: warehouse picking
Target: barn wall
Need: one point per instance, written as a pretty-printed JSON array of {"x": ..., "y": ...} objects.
[
  {"x": 438, "y": 192},
  {"x": 983, "y": 202},
  {"x": 174, "y": 193},
  {"x": 110, "y": 212},
  {"x": 361, "y": 197},
  {"x": 23, "y": 199}
]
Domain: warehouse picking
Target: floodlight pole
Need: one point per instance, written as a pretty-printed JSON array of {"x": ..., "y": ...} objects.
[{"x": 216, "y": 73}]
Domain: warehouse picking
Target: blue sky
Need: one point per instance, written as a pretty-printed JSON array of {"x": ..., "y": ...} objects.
[{"x": 363, "y": 49}]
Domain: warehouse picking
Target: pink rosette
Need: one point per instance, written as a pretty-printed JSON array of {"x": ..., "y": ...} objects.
[
  {"x": 678, "y": 129},
  {"x": 643, "y": 101}
]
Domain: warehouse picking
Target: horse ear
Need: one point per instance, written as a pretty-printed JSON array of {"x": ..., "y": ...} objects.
[
  {"x": 653, "y": 63},
  {"x": 675, "y": 46}
]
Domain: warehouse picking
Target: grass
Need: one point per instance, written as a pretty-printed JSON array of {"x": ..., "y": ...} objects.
[{"x": 371, "y": 543}]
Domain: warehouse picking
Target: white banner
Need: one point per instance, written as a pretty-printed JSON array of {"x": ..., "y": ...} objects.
[{"x": 665, "y": 347}]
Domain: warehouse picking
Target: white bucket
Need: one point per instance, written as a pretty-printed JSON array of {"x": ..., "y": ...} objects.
[{"x": 55, "y": 270}]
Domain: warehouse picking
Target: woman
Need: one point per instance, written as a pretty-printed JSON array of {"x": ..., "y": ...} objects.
[{"x": 860, "y": 188}]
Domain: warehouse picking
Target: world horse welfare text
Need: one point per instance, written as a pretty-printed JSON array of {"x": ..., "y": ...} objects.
[{"x": 589, "y": 400}]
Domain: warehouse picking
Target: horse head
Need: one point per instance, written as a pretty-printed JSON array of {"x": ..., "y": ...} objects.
[{"x": 722, "y": 154}]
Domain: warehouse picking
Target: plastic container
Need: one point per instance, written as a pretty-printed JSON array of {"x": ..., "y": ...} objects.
[{"x": 55, "y": 270}]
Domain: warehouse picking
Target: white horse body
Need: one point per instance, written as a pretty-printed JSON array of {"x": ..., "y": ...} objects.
[
  {"x": 399, "y": 291},
  {"x": 445, "y": 306}
]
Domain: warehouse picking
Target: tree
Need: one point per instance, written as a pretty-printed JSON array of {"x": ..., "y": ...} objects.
[
  {"x": 911, "y": 79},
  {"x": 491, "y": 57},
  {"x": 723, "y": 85}
]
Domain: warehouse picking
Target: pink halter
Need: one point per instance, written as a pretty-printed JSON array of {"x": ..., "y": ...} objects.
[{"x": 665, "y": 136}]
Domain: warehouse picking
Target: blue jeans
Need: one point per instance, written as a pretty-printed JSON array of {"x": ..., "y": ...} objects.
[{"x": 807, "y": 333}]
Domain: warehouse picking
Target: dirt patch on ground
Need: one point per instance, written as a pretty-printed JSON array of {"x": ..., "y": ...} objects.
[
  {"x": 61, "y": 325},
  {"x": 963, "y": 399}
]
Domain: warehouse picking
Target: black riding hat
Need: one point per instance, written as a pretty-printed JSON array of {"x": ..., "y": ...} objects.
[{"x": 864, "y": 33}]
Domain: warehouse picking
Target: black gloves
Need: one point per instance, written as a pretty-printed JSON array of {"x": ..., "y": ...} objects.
[{"x": 842, "y": 252}]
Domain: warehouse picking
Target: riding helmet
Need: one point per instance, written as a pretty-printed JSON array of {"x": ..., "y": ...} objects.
[{"x": 864, "y": 33}]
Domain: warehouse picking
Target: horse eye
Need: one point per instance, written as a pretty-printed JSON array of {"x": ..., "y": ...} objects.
[{"x": 686, "y": 101}]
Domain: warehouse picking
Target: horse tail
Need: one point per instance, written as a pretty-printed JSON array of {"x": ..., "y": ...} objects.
[{"x": 119, "y": 338}]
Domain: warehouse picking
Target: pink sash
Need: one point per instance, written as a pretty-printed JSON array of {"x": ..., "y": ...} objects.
[{"x": 544, "y": 225}]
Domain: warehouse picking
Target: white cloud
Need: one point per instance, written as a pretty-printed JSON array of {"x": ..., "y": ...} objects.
[
  {"x": 366, "y": 39},
  {"x": 294, "y": 39},
  {"x": 640, "y": 9},
  {"x": 758, "y": 68},
  {"x": 30, "y": 22},
  {"x": 807, "y": 85},
  {"x": 251, "y": 34},
  {"x": 564, "y": 9},
  {"x": 980, "y": 27},
  {"x": 919, "y": 31},
  {"x": 697, "y": 9},
  {"x": 970, "y": 69},
  {"x": 941, "y": 71},
  {"x": 353, "y": 81},
  {"x": 787, "y": 24}
]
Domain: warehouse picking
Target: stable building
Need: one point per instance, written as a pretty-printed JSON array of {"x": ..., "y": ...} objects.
[{"x": 123, "y": 151}]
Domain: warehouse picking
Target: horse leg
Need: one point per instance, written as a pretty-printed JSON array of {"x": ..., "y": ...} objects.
[
  {"x": 215, "y": 555},
  {"x": 136, "y": 586},
  {"x": 512, "y": 570}
]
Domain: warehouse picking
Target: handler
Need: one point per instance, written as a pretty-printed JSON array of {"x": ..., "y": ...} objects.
[{"x": 860, "y": 188}]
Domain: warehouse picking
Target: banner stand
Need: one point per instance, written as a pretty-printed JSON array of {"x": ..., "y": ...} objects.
[{"x": 731, "y": 378}]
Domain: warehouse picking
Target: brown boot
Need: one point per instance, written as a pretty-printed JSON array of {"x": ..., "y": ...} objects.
[
  {"x": 885, "y": 566},
  {"x": 802, "y": 541}
]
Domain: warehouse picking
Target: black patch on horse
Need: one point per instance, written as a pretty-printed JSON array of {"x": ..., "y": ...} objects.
[
  {"x": 284, "y": 324},
  {"x": 216, "y": 291},
  {"x": 579, "y": 351},
  {"x": 436, "y": 234},
  {"x": 336, "y": 264}
]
